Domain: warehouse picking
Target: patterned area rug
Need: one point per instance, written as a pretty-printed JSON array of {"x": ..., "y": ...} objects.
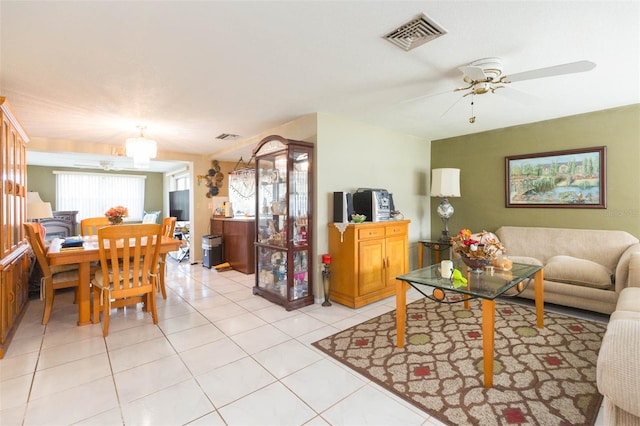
[{"x": 541, "y": 376}]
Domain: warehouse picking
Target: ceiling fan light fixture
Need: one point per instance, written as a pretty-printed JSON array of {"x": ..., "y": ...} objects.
[{"x": 141, "y": 149}]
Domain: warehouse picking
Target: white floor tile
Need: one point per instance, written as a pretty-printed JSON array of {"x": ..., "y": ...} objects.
[
  {"x": 194, "y": 337},
  {"x": 272, "y": 405},
  {"x": 135, "y": 355},
  {"x": 72, "y": 405},
  {"x": 234, "y": 381},
  {"x": 299, "y": 324},
  {"x": 12, "y": 367},
  {"x": 61, "y": 354},
  {"x": 212, "y": 355},
  {"x": 286, "y": 358},
  {"x": 72, "y": 374},
  {"x": 260, "y": 338},
  {"x": 174, "y": 405},
  {"x": 239, "y": 323},
  {"x": 15, "y": 391},
  {"x": 182, "y": 322},
  {"x": 151, "y": 377},
  {"x": 368, "y": 406},
  {"x": 330, "y": 384}
]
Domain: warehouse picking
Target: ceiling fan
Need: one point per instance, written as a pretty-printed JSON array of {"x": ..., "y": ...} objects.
[
  {"x": 108, "y": 166},
  {"x": 486, "y": 75}
]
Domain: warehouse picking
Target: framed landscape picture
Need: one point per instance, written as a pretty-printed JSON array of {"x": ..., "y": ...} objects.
[{"x": 573, "y": 178}]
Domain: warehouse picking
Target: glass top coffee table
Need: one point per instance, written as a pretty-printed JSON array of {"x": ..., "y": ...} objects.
[{"x": 486, "y": 285}]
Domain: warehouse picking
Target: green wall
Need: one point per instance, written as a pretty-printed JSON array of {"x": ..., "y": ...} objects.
[
  {"x": 42, "y": 180},
  {"x": 481, "y": 157}
]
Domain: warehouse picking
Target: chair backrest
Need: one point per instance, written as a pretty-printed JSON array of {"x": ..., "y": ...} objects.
[
  {"x": 90, "y": 225},
  {"x": 129, "y": 256},
  {"x": 168, "y": 226},
  {"x": 37, "y": 245}
]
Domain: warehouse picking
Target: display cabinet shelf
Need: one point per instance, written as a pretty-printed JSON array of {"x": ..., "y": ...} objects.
[{"x": 284, "y": 255}]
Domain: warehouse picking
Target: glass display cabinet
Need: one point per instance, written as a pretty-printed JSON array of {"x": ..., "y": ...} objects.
[{"x": 284, "y": 231}]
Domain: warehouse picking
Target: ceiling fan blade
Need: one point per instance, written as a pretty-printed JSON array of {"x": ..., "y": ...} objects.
[
  {"x": 418, "y": 98},
  {"x": 516, "y": 95},
  {"x": 473, "y": 73},
  {"x": 570, "y": 68}
]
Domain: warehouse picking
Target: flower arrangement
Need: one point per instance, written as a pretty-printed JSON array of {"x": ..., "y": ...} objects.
[
  {"x": 486, "y": 247},
  {"x": 115, "y": 214}
]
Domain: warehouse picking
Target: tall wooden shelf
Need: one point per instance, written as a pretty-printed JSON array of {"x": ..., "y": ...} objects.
[
  {"x": 14, "y": 250},
  {"x": 284, "y": 228}
]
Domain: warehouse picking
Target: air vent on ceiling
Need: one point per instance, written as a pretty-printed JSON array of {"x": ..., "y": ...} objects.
[
  {"x": 415, "y": 33},
  {"x": 227, "y": 136}
]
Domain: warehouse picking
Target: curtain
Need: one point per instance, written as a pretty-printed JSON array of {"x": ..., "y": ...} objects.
[{"x": 92, "y": 194}]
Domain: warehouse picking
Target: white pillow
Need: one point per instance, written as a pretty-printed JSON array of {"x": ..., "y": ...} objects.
[{"x": 150, "y": 217}]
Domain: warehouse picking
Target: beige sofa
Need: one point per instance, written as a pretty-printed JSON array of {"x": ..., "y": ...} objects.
[
  {"x": 583, "y": 268},
  {"x": 618, "y": 370}
]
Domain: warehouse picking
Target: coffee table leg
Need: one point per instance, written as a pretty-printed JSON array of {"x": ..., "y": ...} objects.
[
  {"x": 401, "y": 312},
  {"x": 488, "y": 326},
  {"x": 538, "y": 287},
  {"x": 466, "y": 296},
  {"x": 420, "y": 254}
]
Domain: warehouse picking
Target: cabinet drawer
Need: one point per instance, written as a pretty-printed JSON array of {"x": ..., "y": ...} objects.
[
  {"x": 370, "y": 233},
  {"x": 396, "y": 230}
]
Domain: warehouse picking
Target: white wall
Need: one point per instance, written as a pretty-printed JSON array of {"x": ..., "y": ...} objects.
[{"x": 351, "y": 155}]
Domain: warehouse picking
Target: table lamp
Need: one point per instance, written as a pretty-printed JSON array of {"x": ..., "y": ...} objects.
[
  {"x": 445, "y": 183},
  {"x": 38, "y": 209}
]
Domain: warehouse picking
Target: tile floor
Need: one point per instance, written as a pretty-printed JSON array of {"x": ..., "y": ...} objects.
[{"x": 219, "y": 355}]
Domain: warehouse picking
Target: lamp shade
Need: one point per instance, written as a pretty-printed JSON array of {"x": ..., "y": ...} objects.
[
  {"x": 445, "y": 183},
  {"x": 36, "y": 208}
]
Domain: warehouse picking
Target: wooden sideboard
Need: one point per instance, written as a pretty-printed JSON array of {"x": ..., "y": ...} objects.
[
  {"x": 365, "y": 259},
  {"x": 238, "y": 236}
]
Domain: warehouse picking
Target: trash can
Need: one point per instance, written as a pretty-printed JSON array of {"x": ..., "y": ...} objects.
[{"x": 212, "y": 253}]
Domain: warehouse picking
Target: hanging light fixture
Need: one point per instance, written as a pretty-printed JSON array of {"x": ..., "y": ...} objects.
[{"x": 141, "y": 149}]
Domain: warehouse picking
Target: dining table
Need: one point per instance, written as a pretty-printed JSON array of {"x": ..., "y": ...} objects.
[{"x": 84, "y": 256}]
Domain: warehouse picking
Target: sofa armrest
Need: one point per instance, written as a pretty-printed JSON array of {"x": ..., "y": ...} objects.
[
  {"x": 628, "y": 268},
  {"x": 633, "y": 279},
  {"x": 618, "y": 369}
]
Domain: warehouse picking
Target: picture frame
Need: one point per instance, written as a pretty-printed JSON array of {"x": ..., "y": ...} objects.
[{"x": 574, "y": 178}]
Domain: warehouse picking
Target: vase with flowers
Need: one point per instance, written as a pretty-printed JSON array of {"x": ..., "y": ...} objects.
[
  {"x": 477, "y": 251},
  {"x": 116, "y": 214}
]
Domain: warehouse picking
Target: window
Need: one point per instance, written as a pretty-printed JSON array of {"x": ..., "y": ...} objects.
[
  {"x": 92, "y": 194},
  {"x": 179, "y": 180}
]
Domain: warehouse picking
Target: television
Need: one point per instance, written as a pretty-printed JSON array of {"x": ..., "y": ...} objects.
[{"x": 179, "y": 205}]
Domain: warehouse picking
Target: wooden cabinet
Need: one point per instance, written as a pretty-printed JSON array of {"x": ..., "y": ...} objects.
[
  {"x": 14, "y": 251},
  {"x": 365, "y": 259},
  {"x": 238, "y": 237},
  {"x": 284, "y": 221}
]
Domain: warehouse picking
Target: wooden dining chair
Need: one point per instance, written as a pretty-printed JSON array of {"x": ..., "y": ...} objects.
[
  {"x": 168, "y": 226},
  {"x": 53, "y": 277},
  {"x": 128, "y": 270},
  {"x": 90, "y": 225}
]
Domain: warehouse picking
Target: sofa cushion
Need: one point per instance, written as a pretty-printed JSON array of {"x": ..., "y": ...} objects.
[
  {"x": 571, "y": 270},
  {"x": 525, "y": 259}
]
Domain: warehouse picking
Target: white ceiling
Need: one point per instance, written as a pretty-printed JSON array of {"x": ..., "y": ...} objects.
[{"x": 92, "y": 71}]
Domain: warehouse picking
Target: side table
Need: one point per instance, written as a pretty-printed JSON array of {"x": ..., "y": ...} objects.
[{"x": 436, "y": 247}]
